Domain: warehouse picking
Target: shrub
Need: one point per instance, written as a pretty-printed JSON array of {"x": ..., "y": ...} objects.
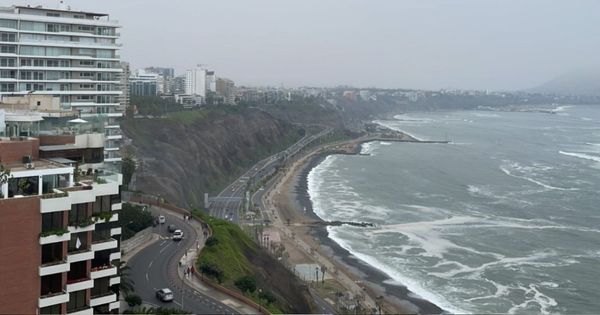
[
  {"x": 267, "y": 296},
  {"x": 246, "y": 284},
  {"x": 133, "y": 300},
  {"x": 211, "y": 241},
  {"x": 212, "y": 270}
]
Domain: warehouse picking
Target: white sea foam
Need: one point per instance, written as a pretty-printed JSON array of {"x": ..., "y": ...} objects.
[
  {"x": 412, "y": 284},
  {"x": 394, "y": 126},
  {"x": 581, "y": 156},
  {"x": 532, "y": 180},
  {"x": 534, "y": 296}
]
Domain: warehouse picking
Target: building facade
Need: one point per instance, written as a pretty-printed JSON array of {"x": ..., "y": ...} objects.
[
  {"x": 69, "y": 54},
  {"x": 144, "y": 83},
  {"x": 195, "y": 82},
  {"x": 59, "y": 231}
]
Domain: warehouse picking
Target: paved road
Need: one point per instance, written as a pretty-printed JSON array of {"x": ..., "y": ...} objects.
[
  {"x": 228, "y": 203},
  {"x": 155, "y": 267}
]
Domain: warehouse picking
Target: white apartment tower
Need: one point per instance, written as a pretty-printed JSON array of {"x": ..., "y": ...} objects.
[
  {"x": 68, "y": 54},
  {"x": 195, "y": 82}
]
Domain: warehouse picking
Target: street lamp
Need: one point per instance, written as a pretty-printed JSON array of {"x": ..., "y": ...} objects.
[{"x": 259, "y": 300}]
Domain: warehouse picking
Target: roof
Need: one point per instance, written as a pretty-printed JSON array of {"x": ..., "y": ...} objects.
[
  {"x": 61, "y": 160},
  {"x": 59, "y": 10},
  {"x": 167, "y": 290}
]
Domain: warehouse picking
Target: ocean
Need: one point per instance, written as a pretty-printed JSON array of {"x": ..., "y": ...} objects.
[{"x": 504, "y": 219}]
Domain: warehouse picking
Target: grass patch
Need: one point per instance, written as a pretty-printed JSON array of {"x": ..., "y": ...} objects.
[
  {"x": 189, "y": 116},
  {"x": 227, "y": 251}
]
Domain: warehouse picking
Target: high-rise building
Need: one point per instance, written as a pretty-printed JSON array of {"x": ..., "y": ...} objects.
[
  {"x": 178, "y": 85},
  {"x": 68, "y": 54},
  {"x": 59, "y": 230},
  {"x": 226, "y": 89},
  {"x": 125, "y": 97},
  {"x": 165, "y": 72},
  {"x": 195, "y": 81},
  {"x": 144, "y": 83},
  {"x": 211, "y": 81}
]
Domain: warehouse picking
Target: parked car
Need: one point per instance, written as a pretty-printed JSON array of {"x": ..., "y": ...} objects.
[
  {"x": 172, "y": 228},
  {"x": 165, "y": 295},
  {"x": 177, "y": 235},
  {"x": 161, "y": 219}
]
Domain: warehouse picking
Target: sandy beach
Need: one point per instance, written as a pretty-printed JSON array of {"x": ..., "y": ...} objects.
[{"x": 306, "y": 238}]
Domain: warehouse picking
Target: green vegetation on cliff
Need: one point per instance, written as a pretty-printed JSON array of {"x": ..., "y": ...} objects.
[{"x": 238, "y": 263}]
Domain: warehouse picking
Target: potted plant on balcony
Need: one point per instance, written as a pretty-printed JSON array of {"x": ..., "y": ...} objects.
[{"x": 4, "y": 176}]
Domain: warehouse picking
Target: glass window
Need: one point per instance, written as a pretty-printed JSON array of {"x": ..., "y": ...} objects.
[
  {"x": 33, "y": 37},
  {"x": 7, "y": 62},
  {"x": 33, "y": 26},
  {"x": 8, "y": 23},
  {"x": 8, "y": 74},
  {"x": 33, "y": 50},
  {"x": 7, "y": 87},
  {"x": 57, "y": 51},
  {"x": 8, "y": 49},
  {"x": 8, "y": 37},
  {"x": 104, "y": 53}
]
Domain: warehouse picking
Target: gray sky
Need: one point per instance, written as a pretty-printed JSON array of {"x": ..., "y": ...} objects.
[{"x": 471, "y": 44}]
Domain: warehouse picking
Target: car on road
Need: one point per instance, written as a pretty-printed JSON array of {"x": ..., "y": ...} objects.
[
  {"x": 172, "y": 228},
  {"x": 177, "y": 235},
  {"x": 165, "y": 295},
  {"x": 161, "y": 219}
]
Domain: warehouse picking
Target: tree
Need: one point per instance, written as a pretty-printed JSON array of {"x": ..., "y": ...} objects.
[
  {"x": 246, "y": 284},
  {"x": 128, "y": 167},
  {"x": 267, "y": 296},
  {"x": 211, "y": 241},
  {"x": 126, "y": 284},
  {"x": 133, "y": 300}
]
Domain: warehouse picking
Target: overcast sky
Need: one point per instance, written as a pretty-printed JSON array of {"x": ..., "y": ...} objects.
[{"x": 471, "y": 44}]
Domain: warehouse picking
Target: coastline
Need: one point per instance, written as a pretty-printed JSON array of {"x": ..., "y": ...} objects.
[{"x": 373, "y": 278}]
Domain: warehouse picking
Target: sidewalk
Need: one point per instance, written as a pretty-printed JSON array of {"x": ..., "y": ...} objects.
[{"x": 189, "y": 259}]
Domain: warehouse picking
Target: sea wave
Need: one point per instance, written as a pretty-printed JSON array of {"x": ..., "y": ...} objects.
[
  {"x": 412, "y": 284},
  {"x": 581, "y": 156},
  {"x": 516, "y": 166}
]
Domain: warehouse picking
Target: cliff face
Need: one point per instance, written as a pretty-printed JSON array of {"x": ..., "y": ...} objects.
[{"x": 193, "y": 152}]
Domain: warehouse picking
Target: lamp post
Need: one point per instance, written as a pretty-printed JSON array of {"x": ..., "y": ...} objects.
[{"x": 259, "y": 301}]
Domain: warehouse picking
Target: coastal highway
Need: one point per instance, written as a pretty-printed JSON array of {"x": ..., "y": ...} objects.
[
  {"x": 228, "y": 203},
  {"x": 155, "y": 267}
]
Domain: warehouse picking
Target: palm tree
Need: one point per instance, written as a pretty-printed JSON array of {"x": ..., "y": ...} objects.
[{"x": 126, "y": 285}]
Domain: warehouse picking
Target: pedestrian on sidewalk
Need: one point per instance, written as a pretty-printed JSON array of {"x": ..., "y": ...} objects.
[{"x": 189, "y": 270}]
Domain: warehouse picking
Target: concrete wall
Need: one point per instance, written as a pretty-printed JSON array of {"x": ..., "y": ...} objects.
[{"x": 138, "y": 239}]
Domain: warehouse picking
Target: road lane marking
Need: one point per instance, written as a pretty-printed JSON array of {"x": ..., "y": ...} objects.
[
  {"x": 147, "y": 279},
  {"x": 150, "y": 264},
  {"x": 165, "y": 247}
]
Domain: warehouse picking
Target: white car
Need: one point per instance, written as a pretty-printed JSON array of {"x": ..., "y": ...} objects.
[
  {"x": 161, "y": 219},
  {"x": 165, "y": 295},
  {"x": 177, "y": 235}
]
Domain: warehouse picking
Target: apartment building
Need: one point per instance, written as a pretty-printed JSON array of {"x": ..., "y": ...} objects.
[
  {"x": 59, "y": 232},
  {"x": 68, "y": 54}
]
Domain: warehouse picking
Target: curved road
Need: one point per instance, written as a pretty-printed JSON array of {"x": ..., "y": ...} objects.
[{"x": 155, "y": 267}]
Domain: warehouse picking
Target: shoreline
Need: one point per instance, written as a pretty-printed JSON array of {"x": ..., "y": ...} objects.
[{"x": 397, "y": 295}]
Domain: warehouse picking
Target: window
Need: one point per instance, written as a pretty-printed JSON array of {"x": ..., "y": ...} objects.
[
  {"x": 53, "y": 14},
  {"x": 33, "y": 50},
  {"x": 8, "y": 74},
  {"x": 104, "y": 53},
  {"x": 8, "y": 37},
  {"x": 52, "y": 63},
  {"x": 8, "y": 23},
  {"x": 33, "y": 37},
  {"x": 25, "y": 75},
  {"x": 79, "y": 16},
  {"x": 7, "y": 62},
  {"x": 57, "y": 51},
  {"x": 38, "y": 62},
  {"x": 86, "y": 86},
  {"x": 86, "y": 74},
  {"x": 26, "y": 62},
  {"x": 86, "y": 62},
  {"x": 33, "y": 26},
  {"x": 65, "y": 63},
  {"x": 85, "y": 28},
  {"x": 53, "y": 27},
  {"x": 7, "y": 87},
  {"x": 8, "y": 49}
]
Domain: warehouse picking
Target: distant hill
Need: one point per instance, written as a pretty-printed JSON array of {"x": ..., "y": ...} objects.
[{"x": 574, "y": 83}]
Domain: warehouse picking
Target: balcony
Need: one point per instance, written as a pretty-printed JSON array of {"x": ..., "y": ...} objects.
[
  {"x": 113, "y": 306},
  {"x": 54, "y": 268},
  {"x": 78, "y": 285},
  {"x": 103, "y": 271},
  {"x": 53, "y": 299},
  {"x": 105, "y": 298},
  {"x": 115, "y": 231},
  {"x": 105, "y": 216},
  {"x": 80, "y": 256},
  {"x": 115, "y": 255},
  {"x": 54, "y": 236},
  {"x": 116, "y": 206},
  {"x": 105, "y": 244},
  {"x": 114, "y": 280},
  {"x": 77, "y": 227},
  {"x": 55, "y": 202},
  {"x": 86, "y": 310}
]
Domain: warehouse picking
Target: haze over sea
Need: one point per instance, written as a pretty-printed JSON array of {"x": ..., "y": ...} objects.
[{"x": 505, "y": 219}]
